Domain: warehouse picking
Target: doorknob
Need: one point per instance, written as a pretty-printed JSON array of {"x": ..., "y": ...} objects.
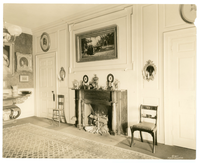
[{"x": 53, "y": 96}]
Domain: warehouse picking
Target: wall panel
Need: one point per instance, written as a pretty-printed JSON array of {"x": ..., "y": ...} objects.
[
  {"x": 63, "y": 61},
  {"x": 149, "y": 92},
  {"x": 149, "y": 33}
]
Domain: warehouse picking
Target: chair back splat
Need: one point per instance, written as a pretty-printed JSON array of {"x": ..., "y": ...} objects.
[{"x": 147, "y": 123}]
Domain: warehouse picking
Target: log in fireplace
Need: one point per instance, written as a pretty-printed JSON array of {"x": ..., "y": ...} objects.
[{"x": 116, "y": 100}]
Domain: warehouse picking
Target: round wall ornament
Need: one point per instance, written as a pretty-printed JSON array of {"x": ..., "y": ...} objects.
[
  {"x": 149, "y": 70},
  {"x": 188, "y": 12},
  {"x": 45, "y": 42}
]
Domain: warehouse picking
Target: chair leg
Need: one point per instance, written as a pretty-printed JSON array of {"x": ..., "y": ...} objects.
[
  {"x": 153, "y": 135},
  {"x": 156, "y": 143},
  {"x": 141, "y": 136},
  {"x": 132, "y": 135},
  {"x": 53, "y": 118},
  {"x": 59, "y": 117}
]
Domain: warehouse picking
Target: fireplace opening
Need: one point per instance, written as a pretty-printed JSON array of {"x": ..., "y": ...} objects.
[{"x": 98, "y": 119}]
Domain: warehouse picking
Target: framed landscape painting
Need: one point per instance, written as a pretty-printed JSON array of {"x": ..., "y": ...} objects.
[{"x": 95, "y": 45}]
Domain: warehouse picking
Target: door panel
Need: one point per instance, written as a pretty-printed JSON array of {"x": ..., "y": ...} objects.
[
  {"x": 182, "y": 83},
  {"x": 46, "y": 72}
]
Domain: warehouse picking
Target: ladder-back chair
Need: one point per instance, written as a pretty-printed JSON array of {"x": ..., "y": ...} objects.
[{"x": 58, "y": 113}]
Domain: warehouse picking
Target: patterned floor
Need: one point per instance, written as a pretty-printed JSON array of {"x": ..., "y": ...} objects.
[{"x": 31, "y": 141}]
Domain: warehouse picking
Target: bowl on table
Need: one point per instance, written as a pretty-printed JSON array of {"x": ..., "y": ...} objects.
[{"x": 26, "y": 92}]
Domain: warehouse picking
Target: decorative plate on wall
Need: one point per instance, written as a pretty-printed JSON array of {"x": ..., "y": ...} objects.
[
  {"x": 45, "y": 42},
  {"x": 188, "y": 12}
]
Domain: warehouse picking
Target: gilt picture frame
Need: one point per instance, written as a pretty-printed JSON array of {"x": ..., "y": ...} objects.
[
  {"x": 149, "y": 71},
  {"x": 97, "y": 45},
  {"x": 24, "y": 62},
  {"x": 45, "y": 42},
  {"x": 8, "y": 57}
]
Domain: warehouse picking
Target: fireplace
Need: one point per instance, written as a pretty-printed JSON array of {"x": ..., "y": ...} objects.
[{"x": 111, "y": 103}]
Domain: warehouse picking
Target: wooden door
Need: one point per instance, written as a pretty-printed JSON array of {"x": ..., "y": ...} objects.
[
  {"x": 182, "y": 87},
  {"x": 46, "y": 84}
]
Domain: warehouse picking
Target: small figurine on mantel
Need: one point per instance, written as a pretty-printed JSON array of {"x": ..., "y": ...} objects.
[
  {"x": 116, "y": 84},
  {"x": 94, "y": 83},
  {"x": 14, "y": 90},
  {"x": 75, "y": 84}
]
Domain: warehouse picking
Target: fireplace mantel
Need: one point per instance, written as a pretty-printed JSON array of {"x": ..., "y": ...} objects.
[{"x": 117, "y": 99}]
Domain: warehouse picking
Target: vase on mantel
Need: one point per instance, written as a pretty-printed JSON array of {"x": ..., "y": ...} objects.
[{"x": 14, "y": 90}]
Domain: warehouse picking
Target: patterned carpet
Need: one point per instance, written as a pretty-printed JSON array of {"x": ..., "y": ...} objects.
[{"x": 31, "y": 141}]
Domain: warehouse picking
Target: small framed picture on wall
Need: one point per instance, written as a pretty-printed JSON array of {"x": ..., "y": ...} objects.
[
  {"x": 23, "y": 78},
  {"x": 24, "y": 62}
]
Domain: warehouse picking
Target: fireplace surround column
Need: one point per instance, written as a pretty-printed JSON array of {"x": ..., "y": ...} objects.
[
  {"x": 79, "y": 112},
  {"x": 113, "y": 96}
]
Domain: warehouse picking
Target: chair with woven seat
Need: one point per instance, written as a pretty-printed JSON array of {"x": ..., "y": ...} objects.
[
  {"x": 58, "y": 113},
  {"x": 143, "y": 126}
]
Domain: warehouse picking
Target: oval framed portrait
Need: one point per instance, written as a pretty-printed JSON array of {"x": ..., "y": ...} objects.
[
  {"x": 45, "y": 42},
  {"x": 85, "y": 79},
  {"x": 110, "y": 78}
]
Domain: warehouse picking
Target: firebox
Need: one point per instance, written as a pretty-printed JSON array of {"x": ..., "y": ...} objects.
[{"x": 97, "y": 119}]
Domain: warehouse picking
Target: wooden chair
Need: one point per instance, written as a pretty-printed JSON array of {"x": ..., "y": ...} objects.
[
  {"x": 58, "y": 113},
  {"x": 143, "y": 126}
]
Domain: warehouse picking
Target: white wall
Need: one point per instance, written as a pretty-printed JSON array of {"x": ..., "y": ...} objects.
[{"x": 140, "y": 38}]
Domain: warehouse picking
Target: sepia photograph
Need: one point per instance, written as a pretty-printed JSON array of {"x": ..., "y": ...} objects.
[{"x": 103, "y": 81}]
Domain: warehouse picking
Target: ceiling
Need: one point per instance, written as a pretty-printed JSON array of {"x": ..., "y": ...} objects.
[{"x": 35, "y": 15}]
